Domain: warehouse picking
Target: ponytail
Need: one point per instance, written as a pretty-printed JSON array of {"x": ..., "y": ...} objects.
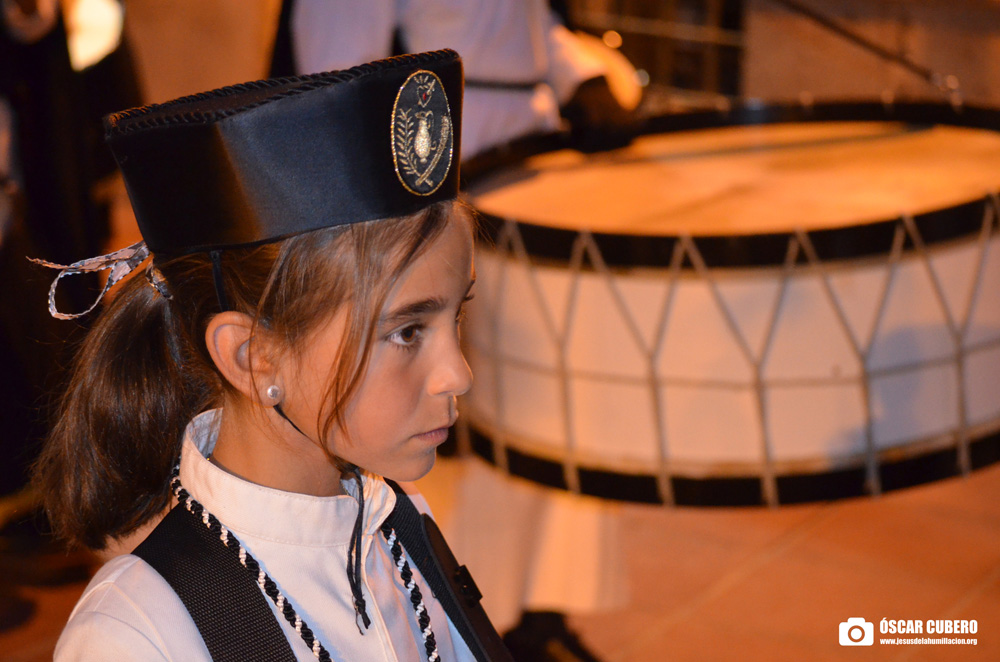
[{"x": 106, "y": 467}]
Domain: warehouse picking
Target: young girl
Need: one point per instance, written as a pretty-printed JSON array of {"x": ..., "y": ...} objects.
[{"x": 295, "y": 341}]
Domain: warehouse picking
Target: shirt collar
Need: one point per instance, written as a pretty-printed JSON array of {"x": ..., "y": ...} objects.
[{"x": 267, "y": 513}]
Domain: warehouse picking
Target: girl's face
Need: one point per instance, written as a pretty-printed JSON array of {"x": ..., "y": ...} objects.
[{"x": 406, "y": 402}]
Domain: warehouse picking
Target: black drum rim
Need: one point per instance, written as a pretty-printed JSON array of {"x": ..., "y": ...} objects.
[
  {"x": 734, "y": 490},
  {"x": 867, "y": 238}
]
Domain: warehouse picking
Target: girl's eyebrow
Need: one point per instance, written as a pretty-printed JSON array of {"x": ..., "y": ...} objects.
[
  {"x": 428, "y": 306},
  {"x": 406, "y": 311}
]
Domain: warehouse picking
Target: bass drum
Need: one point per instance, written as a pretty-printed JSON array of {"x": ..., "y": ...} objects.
[{"x": 761, "y": 306}]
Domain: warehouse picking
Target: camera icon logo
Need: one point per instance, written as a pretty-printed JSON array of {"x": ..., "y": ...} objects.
[{"x": 857, "y": 632}]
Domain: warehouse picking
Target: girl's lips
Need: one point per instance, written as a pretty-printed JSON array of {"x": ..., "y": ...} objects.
[{"x": 435, "y": 437}]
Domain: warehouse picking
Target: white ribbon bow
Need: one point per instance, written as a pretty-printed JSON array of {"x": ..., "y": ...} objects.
[{"x": 121, "y": 263}]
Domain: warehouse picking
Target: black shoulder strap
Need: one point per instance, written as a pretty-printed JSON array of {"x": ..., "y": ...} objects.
[
  {"x": 450, "y": 582},
  {"x": 239, "y": 628}
]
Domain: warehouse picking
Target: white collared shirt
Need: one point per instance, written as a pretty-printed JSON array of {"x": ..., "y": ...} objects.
[
  {"x": 128, "y": 612},
  {"x": 500, "y": 41}
]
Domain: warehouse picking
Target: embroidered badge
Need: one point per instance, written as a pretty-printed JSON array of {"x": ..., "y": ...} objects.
[{"x": 422, "y": 138}]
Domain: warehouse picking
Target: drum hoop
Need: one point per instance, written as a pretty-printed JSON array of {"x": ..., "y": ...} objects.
[
  {"x": 866, "y": 238},
  {"x": 896, "y": 471}
]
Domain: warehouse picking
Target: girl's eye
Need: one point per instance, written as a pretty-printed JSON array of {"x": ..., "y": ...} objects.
[{"x": 408, "y": 336}]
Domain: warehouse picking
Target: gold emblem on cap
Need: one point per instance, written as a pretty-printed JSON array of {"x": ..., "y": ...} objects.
[{"x": 421, "y": 133}]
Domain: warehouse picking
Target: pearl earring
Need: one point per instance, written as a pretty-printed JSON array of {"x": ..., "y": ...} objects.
[{"x": 274, "y": 392}]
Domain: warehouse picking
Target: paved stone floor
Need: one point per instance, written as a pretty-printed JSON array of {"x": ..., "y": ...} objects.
[{"x": 757, "y": 584}]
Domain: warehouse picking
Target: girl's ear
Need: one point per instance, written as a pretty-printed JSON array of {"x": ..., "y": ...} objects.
[{"x": 228, "y": 337}]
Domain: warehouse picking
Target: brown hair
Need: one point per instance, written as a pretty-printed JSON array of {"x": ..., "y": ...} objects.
[{"x": 144, "y": 371}]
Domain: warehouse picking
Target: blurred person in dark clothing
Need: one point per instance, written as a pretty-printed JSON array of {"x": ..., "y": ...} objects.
[{"x": 49, "y": 129}]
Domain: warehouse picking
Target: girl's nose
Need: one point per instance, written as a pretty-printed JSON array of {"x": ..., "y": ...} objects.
[{"x": 451, "y": 374}]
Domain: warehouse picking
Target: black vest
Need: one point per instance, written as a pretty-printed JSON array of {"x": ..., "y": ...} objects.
[{"x": 232, "y": 613}]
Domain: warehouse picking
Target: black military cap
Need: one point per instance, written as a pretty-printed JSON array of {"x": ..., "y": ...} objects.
[{"x": 261, "y": 161}]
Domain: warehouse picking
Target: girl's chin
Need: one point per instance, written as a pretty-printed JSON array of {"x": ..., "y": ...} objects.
[
  {"x": 414, "y": 471},
  {"x": 408, "y": 472}
]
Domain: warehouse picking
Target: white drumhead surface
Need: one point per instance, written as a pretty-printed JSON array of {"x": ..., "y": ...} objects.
[{"x": 750, "y": 179}]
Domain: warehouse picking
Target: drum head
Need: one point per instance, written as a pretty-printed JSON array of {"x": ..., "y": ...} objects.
[{"x": 746, "y": 180}]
